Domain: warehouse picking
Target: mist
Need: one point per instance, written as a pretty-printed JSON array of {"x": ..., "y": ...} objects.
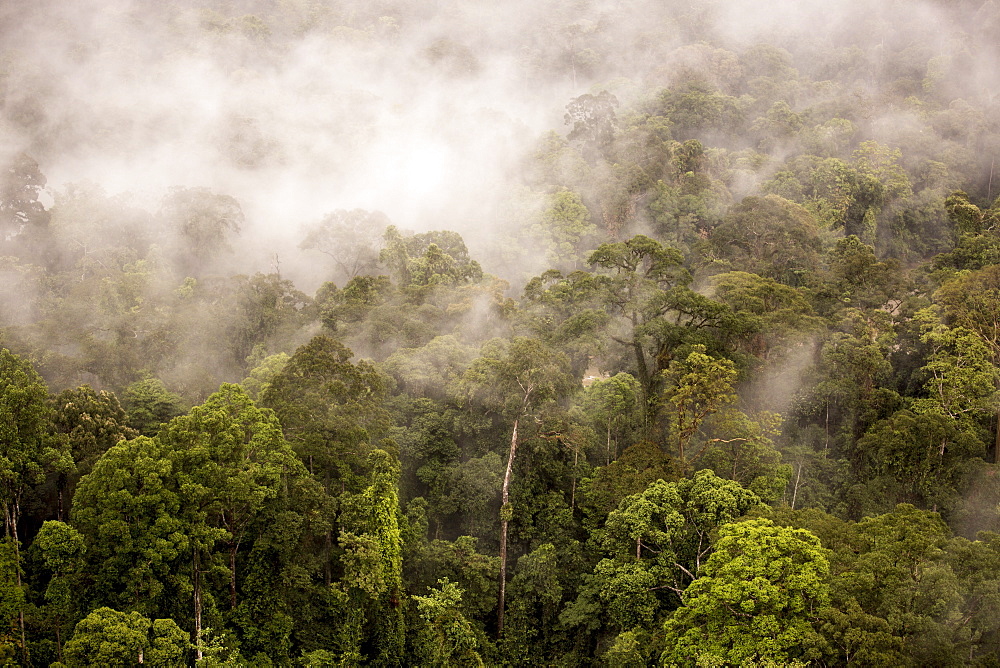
[{"x": 423, "y": 112}]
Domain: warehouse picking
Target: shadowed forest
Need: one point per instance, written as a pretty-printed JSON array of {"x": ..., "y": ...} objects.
[{"x": 452, "y": 333}]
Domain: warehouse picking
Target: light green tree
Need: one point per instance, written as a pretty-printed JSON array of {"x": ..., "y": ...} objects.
[
  {"x": 758, "y": 600},
  {"x": 107, "y": 637},
  {"x": 696, "y": 387},
  {"x": 449, "y": 637},
  {"x": 372, "y": 585}
]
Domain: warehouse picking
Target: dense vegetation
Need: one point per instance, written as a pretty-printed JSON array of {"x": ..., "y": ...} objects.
[{"x": 721, "y": 387}]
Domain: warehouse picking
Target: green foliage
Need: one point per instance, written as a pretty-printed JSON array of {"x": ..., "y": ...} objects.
[
  {"x": 672, "y": 523},
  {"x": 770, "y": 236},
  {"x": 758, "y": 600},
  {"x": 128, "y": 512},
  {"x": 564, "y": 225},
  {"x": 614, "y": 405},
  {"x": 107, "y": 637},
  {"x": 428, "y": 259},
  {"x": 450, "y": 638},
  {"x": 696, "y": 387},
  {"x": 25, "y": 448},
  {"x": 330, "y": 409},
  {"x": 724, "y": 229},
  {"x": 373, "y": 567},
  {"x": 12, "y": 597},
  {"x": 149, "y": 404}
]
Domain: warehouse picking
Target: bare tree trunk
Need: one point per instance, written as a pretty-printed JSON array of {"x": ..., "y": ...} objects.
[
  {"x": 196, "y": 565},
  {"x": 13, "y": 512},
  {"x": 232, "y": 575},
  {"x": 608, "y": 455},
  {"x": 504, "y": 515},
  {"x": 327, "y": 549},
  {"x": 572, "y": 492},
  {"x": 795, "y": 488}
]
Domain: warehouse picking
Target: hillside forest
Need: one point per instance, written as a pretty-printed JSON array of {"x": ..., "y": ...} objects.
[{"x": 576, "y": 333}]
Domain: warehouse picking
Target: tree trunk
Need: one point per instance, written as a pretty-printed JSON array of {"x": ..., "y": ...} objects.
[
  {"x": 13, "y": 512},
  {"x": 504, "y": 510},
  {"x": 572, "y": 492},
  {"x": 996, "y": 439},
  {"x": 232, "y": 575},
  {"x": 196, "y": 566},
  {"x": 608, "y": 456},
  {"x": 795, "y": 488},
  {"x": 643, "y": 370}
]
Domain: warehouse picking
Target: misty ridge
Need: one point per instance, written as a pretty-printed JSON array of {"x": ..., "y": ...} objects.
[{"x": 478, "y": 333}]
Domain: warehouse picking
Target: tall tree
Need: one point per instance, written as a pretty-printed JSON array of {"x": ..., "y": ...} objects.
[
  {"x": 25, "y": 448},
  {"x": 330, "y": 410},
  {"x": 515, "y": 379},
  {"x": 373, "y": 568},
  {"x": 229, "y": 460}
]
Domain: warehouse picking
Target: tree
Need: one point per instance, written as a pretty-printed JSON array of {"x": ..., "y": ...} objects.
[
  {"x": 25, "y": 416},
  {"x": 450, "y": 638},
  {"x": 203, "y": 222},
  {"x": 971, "y": 300},
  {"x": 330, "y": 409},
  {"x": 428, "y": 259},
  {"x": 62, "y": 548},
  {"x": 149, "y": 404},
  {"x": 25, "y": 449},
  {"x": 129, "y": 513},
  {"x": 643, "y": 272},
  {"x": 229, "y": 461},
  {"x": 858, "y": 278},
  {"x": 697, "y": 386},
  {"x": 515, "y": 379},
  {"x": 21, "y": 182},
  {"x": 758, "y": 600},
  {"x": 781, "y": 313},
  {"x": 654, "y": 312},
  {"x": 373, "y": 568},
  {"x": 92, "y": 421},
  {"x": 107, "y": 637},
  {"x": 352, "y": 239},
  {"x": 562, "y": 227},
  {"x": 671, "y": 524},
  {"x": 594, "y": 122},
  {"x": 268, "y": 308},
  {"x": 12, "y": 601},
  {"x": 770, "y": 236},
  {"x": 615, "y": 404}
]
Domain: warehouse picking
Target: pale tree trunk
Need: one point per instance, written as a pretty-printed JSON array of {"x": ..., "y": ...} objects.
[
  {"x": 795, "y": 488},
  {"x": 13, "y": 512},
  {"x": 196, "y": 563},
  {"x": 504, "y": 511},
  {"x": 232, "y": 574},
  {"x": 572, "y": 492}
]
